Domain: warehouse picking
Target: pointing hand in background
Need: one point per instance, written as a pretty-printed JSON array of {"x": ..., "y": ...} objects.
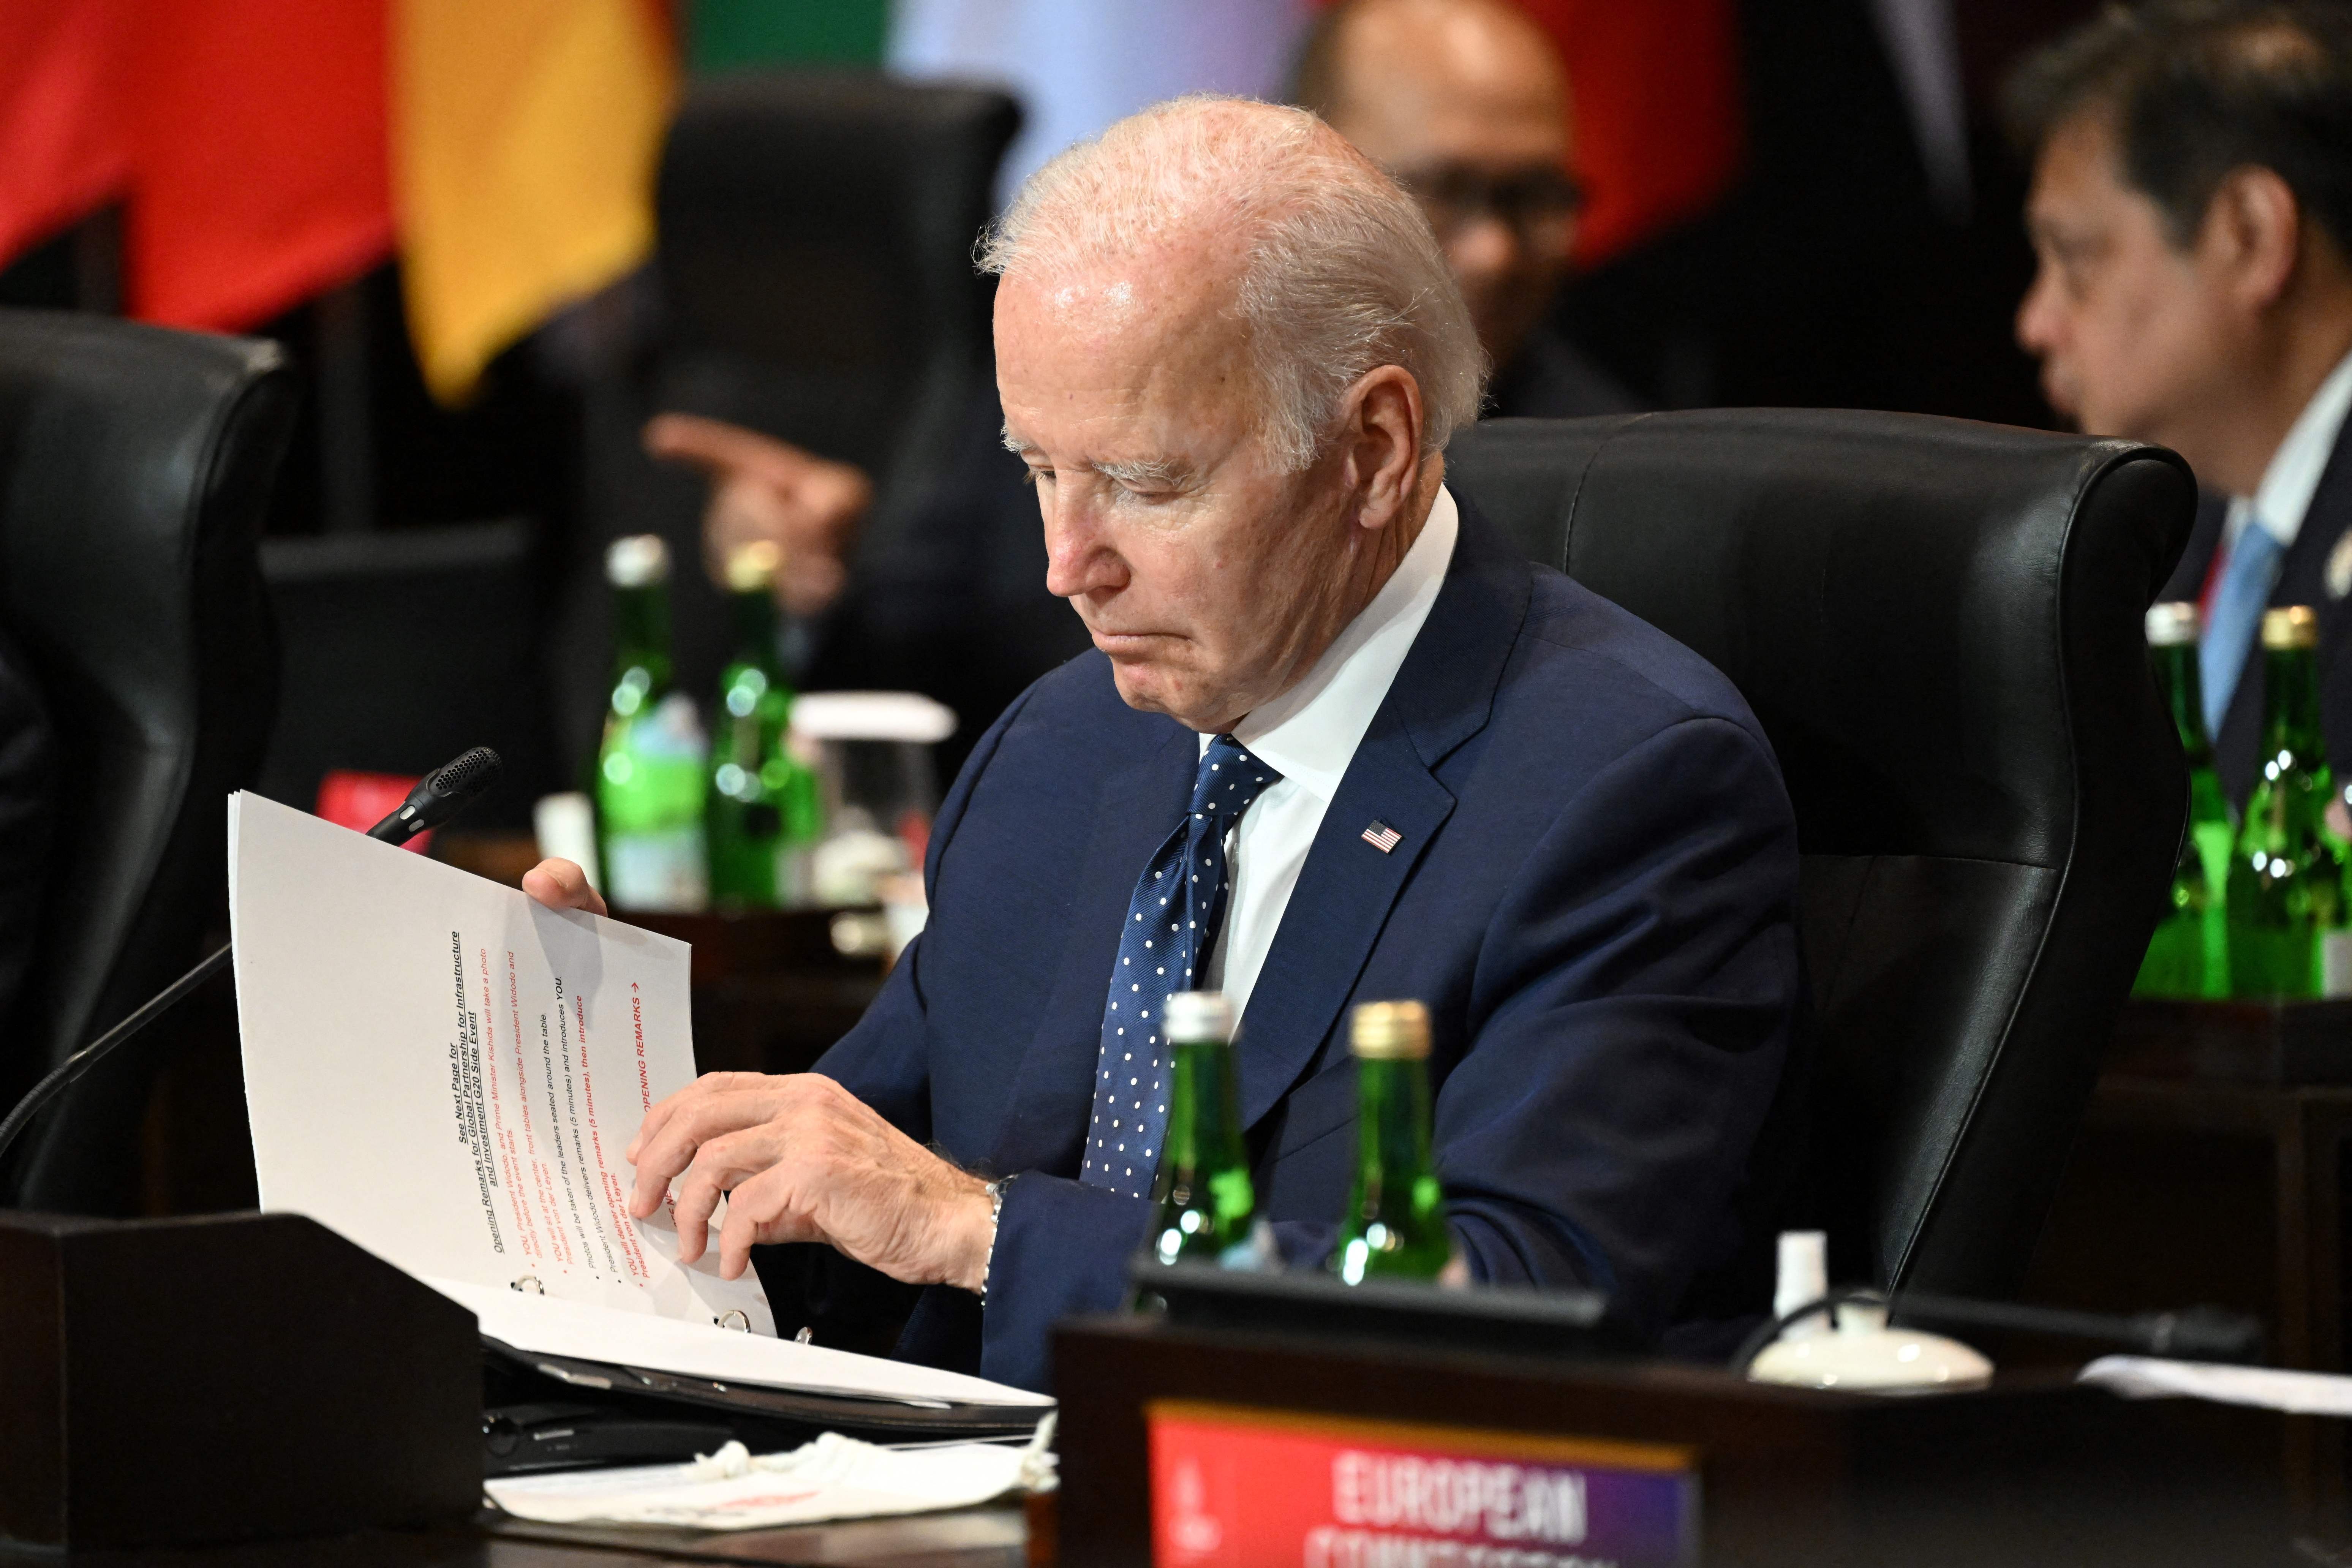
[{"x": 763, "y": 488}]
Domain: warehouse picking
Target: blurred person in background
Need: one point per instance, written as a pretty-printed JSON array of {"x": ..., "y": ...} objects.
[
  {"x": 2192, "y": 214},
  {"x": 1465, "y": 102},
  {"x": 1464, "y": 99}
]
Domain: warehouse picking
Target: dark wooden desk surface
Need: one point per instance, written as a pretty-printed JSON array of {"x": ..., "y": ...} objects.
[{"x": 992, "y": 1537}]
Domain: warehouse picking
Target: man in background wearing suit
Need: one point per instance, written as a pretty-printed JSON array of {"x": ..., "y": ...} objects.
[
  {"x": 1465, "y": 103},
  {"x": 2192, "y": 214},
  {"x": 1337, "y": 743}
]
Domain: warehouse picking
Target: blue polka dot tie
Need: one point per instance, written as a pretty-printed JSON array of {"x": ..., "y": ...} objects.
[{"x": 1170, "y": 924}]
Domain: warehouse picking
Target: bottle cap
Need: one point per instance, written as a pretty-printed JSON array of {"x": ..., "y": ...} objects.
[
  {"x": 1388, "y": 1031},
  {"x": 1197, "y": 1016},
  {"x": 2298, "y": 626},
  {"x": 2173, "y": 624},
  {"x": 752, "y": 566},
  {"x": 637, "y": 561}
]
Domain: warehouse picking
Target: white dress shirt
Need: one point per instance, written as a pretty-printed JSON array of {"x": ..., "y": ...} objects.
[
  {"x": 1308, "y": 735},
  {"x": 2284, "y": 494}
]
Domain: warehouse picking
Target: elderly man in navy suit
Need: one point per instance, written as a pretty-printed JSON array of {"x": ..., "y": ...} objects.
[{"x": 1336, "y": 743}]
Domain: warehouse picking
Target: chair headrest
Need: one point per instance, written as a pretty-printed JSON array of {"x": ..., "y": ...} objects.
[{"x": 1892, "y": 593}]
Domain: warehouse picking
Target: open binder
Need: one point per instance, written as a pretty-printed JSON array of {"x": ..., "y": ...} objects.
[{"x": 448, "y": 1074}]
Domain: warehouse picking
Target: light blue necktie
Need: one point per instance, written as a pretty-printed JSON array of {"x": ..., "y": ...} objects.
[
  {"x": 2237, "y": 603},
  {"x": 1171, "y": 925}
]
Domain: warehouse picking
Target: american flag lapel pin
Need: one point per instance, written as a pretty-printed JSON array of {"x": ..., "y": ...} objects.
[{"x": 1382, "y": 837}]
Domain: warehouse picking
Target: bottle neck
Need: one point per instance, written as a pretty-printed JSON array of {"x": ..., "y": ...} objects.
[
  {"x": 1392, "y": 1127},
  {"x": 641, "y": 658},
  {"x": 2177, "y": 676},
  {"x": 2291, "y": 712},
  {"x": 1203, "y": 1122},
  {"x": 754, "y": 611}
]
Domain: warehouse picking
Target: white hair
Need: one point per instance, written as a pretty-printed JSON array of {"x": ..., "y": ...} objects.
[{"x": 1343, "y": 274}]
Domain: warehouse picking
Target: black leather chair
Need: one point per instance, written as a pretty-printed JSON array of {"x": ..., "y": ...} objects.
[
  {"x": 815, "y": 259},
  {"x": 135, "y": 464},
  {"x": 815, "y": 265},
  {"x": 1939, "y": 624},
  {"x": 405, "y": 648}
]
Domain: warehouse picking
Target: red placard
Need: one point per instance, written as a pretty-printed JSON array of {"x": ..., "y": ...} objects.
[
  {"x": 1236, "y": 1487},
  {"x": 359, "y": 801}
]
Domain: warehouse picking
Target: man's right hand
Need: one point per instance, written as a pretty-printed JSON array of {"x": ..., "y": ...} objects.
[
  {"x": 762, "y": 488},
  {"x": 561, "y": 884}
]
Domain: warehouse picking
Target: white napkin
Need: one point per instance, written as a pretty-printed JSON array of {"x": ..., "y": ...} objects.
[{"x": 831, "y": 1477}]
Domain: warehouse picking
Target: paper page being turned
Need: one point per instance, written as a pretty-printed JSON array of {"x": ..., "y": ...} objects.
[{"x": 448, "y": 1072}]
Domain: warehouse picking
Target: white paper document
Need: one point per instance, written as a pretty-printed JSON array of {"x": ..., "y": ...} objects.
[{"x": 447, "y": 1072}]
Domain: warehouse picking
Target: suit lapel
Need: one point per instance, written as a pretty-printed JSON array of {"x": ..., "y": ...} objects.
[
  {"x": 1335, "y": 915},
  {"x": 1055, "y": 1090},
  {"x": 2188, "y": 579},
  {"x": 2301, "y": 581},
  {"x": 1442, "y": 696}
]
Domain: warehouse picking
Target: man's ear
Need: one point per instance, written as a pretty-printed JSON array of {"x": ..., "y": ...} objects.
[
  {"x": 2253, "y": 233},
  {"x": 1381, "y": 438}
]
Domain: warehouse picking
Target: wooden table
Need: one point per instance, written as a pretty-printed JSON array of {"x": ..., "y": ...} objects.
[{"x": 2212, "y": 1168}]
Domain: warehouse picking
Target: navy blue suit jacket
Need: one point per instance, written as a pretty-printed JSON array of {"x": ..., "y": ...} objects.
[{"x": 1594, "y": 893}]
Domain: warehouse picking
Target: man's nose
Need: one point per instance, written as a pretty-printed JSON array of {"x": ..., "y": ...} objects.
[
  {"x": 1485, "y": 247},
  {"x": 2038, "y": 316},
  {"x": 1078, "y": 559}
]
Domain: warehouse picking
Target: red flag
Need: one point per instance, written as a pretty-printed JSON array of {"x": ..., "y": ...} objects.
[
  {"x": 260, "y": 171},
  {"x": 1657, "y": 108},
  {"x": 63, "y": 151}
]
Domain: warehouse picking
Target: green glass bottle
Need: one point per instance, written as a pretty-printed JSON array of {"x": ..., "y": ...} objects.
[
  {"x": 1395, "y": 1221},
  {"x": 649, "y": 769},
  {"x": 764, "y": 813},
  {"x": 2286, "y": 877},
  {"x": 2189, "y": 953},
  {"x": 1203, "y": 1188}
]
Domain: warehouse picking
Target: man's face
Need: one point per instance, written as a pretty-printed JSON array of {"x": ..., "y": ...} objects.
[
  {"x": 1471, "y": 116},
  {"x": 2134, "y": 334},
  {"x": 1209, "y": 578}
]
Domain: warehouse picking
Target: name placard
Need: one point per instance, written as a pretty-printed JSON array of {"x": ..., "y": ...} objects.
[{"x": 1237, "y": 1488}]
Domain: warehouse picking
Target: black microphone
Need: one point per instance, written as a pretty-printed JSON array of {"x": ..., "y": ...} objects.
[{"x": 439, "y": 797}]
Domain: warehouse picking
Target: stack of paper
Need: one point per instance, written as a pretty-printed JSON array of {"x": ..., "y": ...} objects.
[{"x": 448, "y": 1072}]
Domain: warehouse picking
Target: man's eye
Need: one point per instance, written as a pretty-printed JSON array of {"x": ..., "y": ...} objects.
[{"x": 1030, "y": 476}]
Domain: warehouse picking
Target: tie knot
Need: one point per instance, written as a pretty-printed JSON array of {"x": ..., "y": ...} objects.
[{"x": 1229, "y": 779}]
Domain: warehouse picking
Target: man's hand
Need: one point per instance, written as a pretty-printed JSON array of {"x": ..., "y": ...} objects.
[
  {"x": 799, "y": 1159},
  {"x": 560, "y": 885},
  {"x": 802, "y": 1159},
  {"x": 760, "y": 488}
]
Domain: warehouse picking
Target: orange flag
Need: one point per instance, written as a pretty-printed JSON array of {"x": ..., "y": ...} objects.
[{"x": 525, "y": 135}]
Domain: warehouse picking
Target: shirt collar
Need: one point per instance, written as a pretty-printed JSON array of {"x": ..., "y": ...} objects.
[
  {"x": 1309, "y": 733},
  {"x": 2294, "y": 469}
]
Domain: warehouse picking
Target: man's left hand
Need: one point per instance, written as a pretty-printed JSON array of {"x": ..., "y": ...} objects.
[{"x": 800, "y": 1158}]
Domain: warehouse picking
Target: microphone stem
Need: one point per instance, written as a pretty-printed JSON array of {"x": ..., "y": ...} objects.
[{"x": 82, "y": 1060}]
